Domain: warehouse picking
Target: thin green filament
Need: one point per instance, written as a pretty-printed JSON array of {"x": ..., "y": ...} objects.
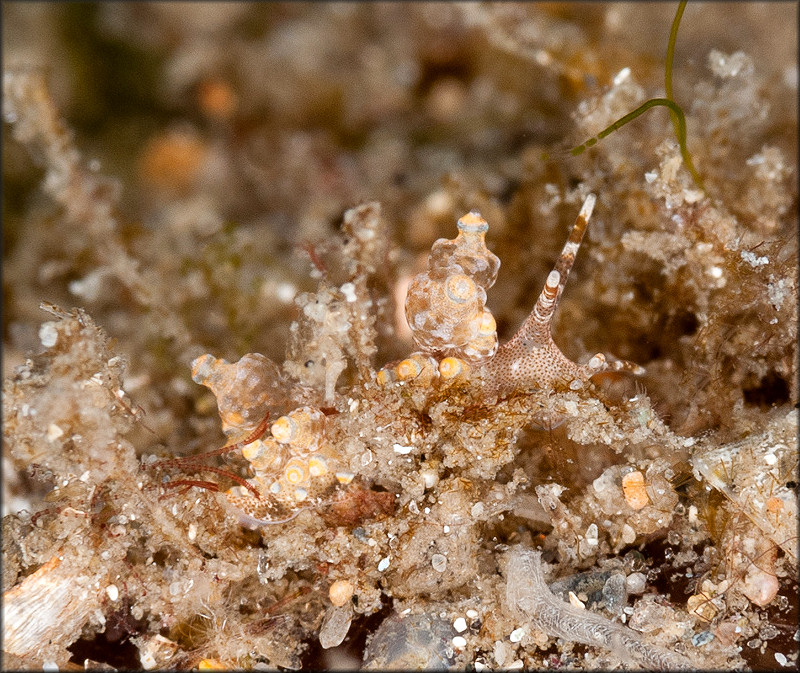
[
  {"x": 673, "y": 37},
  {"x": 675, "y": 111}
]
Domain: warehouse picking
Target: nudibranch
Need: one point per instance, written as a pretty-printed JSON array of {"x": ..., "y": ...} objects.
[
  {"x": 295, "y": 466},
  {"x": 447, "y": 316}
]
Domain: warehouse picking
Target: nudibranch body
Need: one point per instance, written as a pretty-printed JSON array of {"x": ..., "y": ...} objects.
[
  {"x": 296, "y": 467},
  {"x": 445, "y": 310}
]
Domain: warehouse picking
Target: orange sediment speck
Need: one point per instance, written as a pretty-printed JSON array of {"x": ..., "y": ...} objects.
[{"x": 635, "y": 490}]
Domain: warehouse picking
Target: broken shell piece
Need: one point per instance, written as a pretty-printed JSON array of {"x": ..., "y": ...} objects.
[
  {"x": 700, "y": 605},
  {"x": 46, "y": 612},
  {"x": 335, "y": 625},
  {"x": 155, "y": 652}
]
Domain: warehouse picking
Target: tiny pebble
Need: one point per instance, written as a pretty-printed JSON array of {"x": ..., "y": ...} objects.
[
  {"x": 577, "y": 602},
  {"x": 285, "y": 292},
  {"x": 340, "y": 592},
  {"x": 460, "y": 642},
  {"x": 349, "y": 292},
  {"x": 383, "y": 564},
  {"x": 54, "y": 432},
  {"x": 621, "y": 76},
  {"x": 48, "y": 335},
  {"x": 702, "y": 638},
  {"x": 635, "y": 583},
  {"x": 112, "y": 591},
  {"x": 516, "y": 635},
  {"x": 472, "y": 614},
  {"x": 439, "y": 562},
  {"x": 429, "y": 478},
  {"x": 628, "y": 534},
  {"x": 781, "y": 658},
  {"x": 460, "y": 625},
  {"x": 49, "y": 666},
  {"x": 515, "y": 665},
  {"x": 192, "y": 533}
]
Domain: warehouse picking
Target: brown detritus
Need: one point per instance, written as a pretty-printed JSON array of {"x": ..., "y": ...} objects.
[{"x": 358, "y": 504}]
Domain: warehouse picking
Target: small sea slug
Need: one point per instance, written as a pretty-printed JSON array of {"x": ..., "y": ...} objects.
[{"x": 446, "y": 312}]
